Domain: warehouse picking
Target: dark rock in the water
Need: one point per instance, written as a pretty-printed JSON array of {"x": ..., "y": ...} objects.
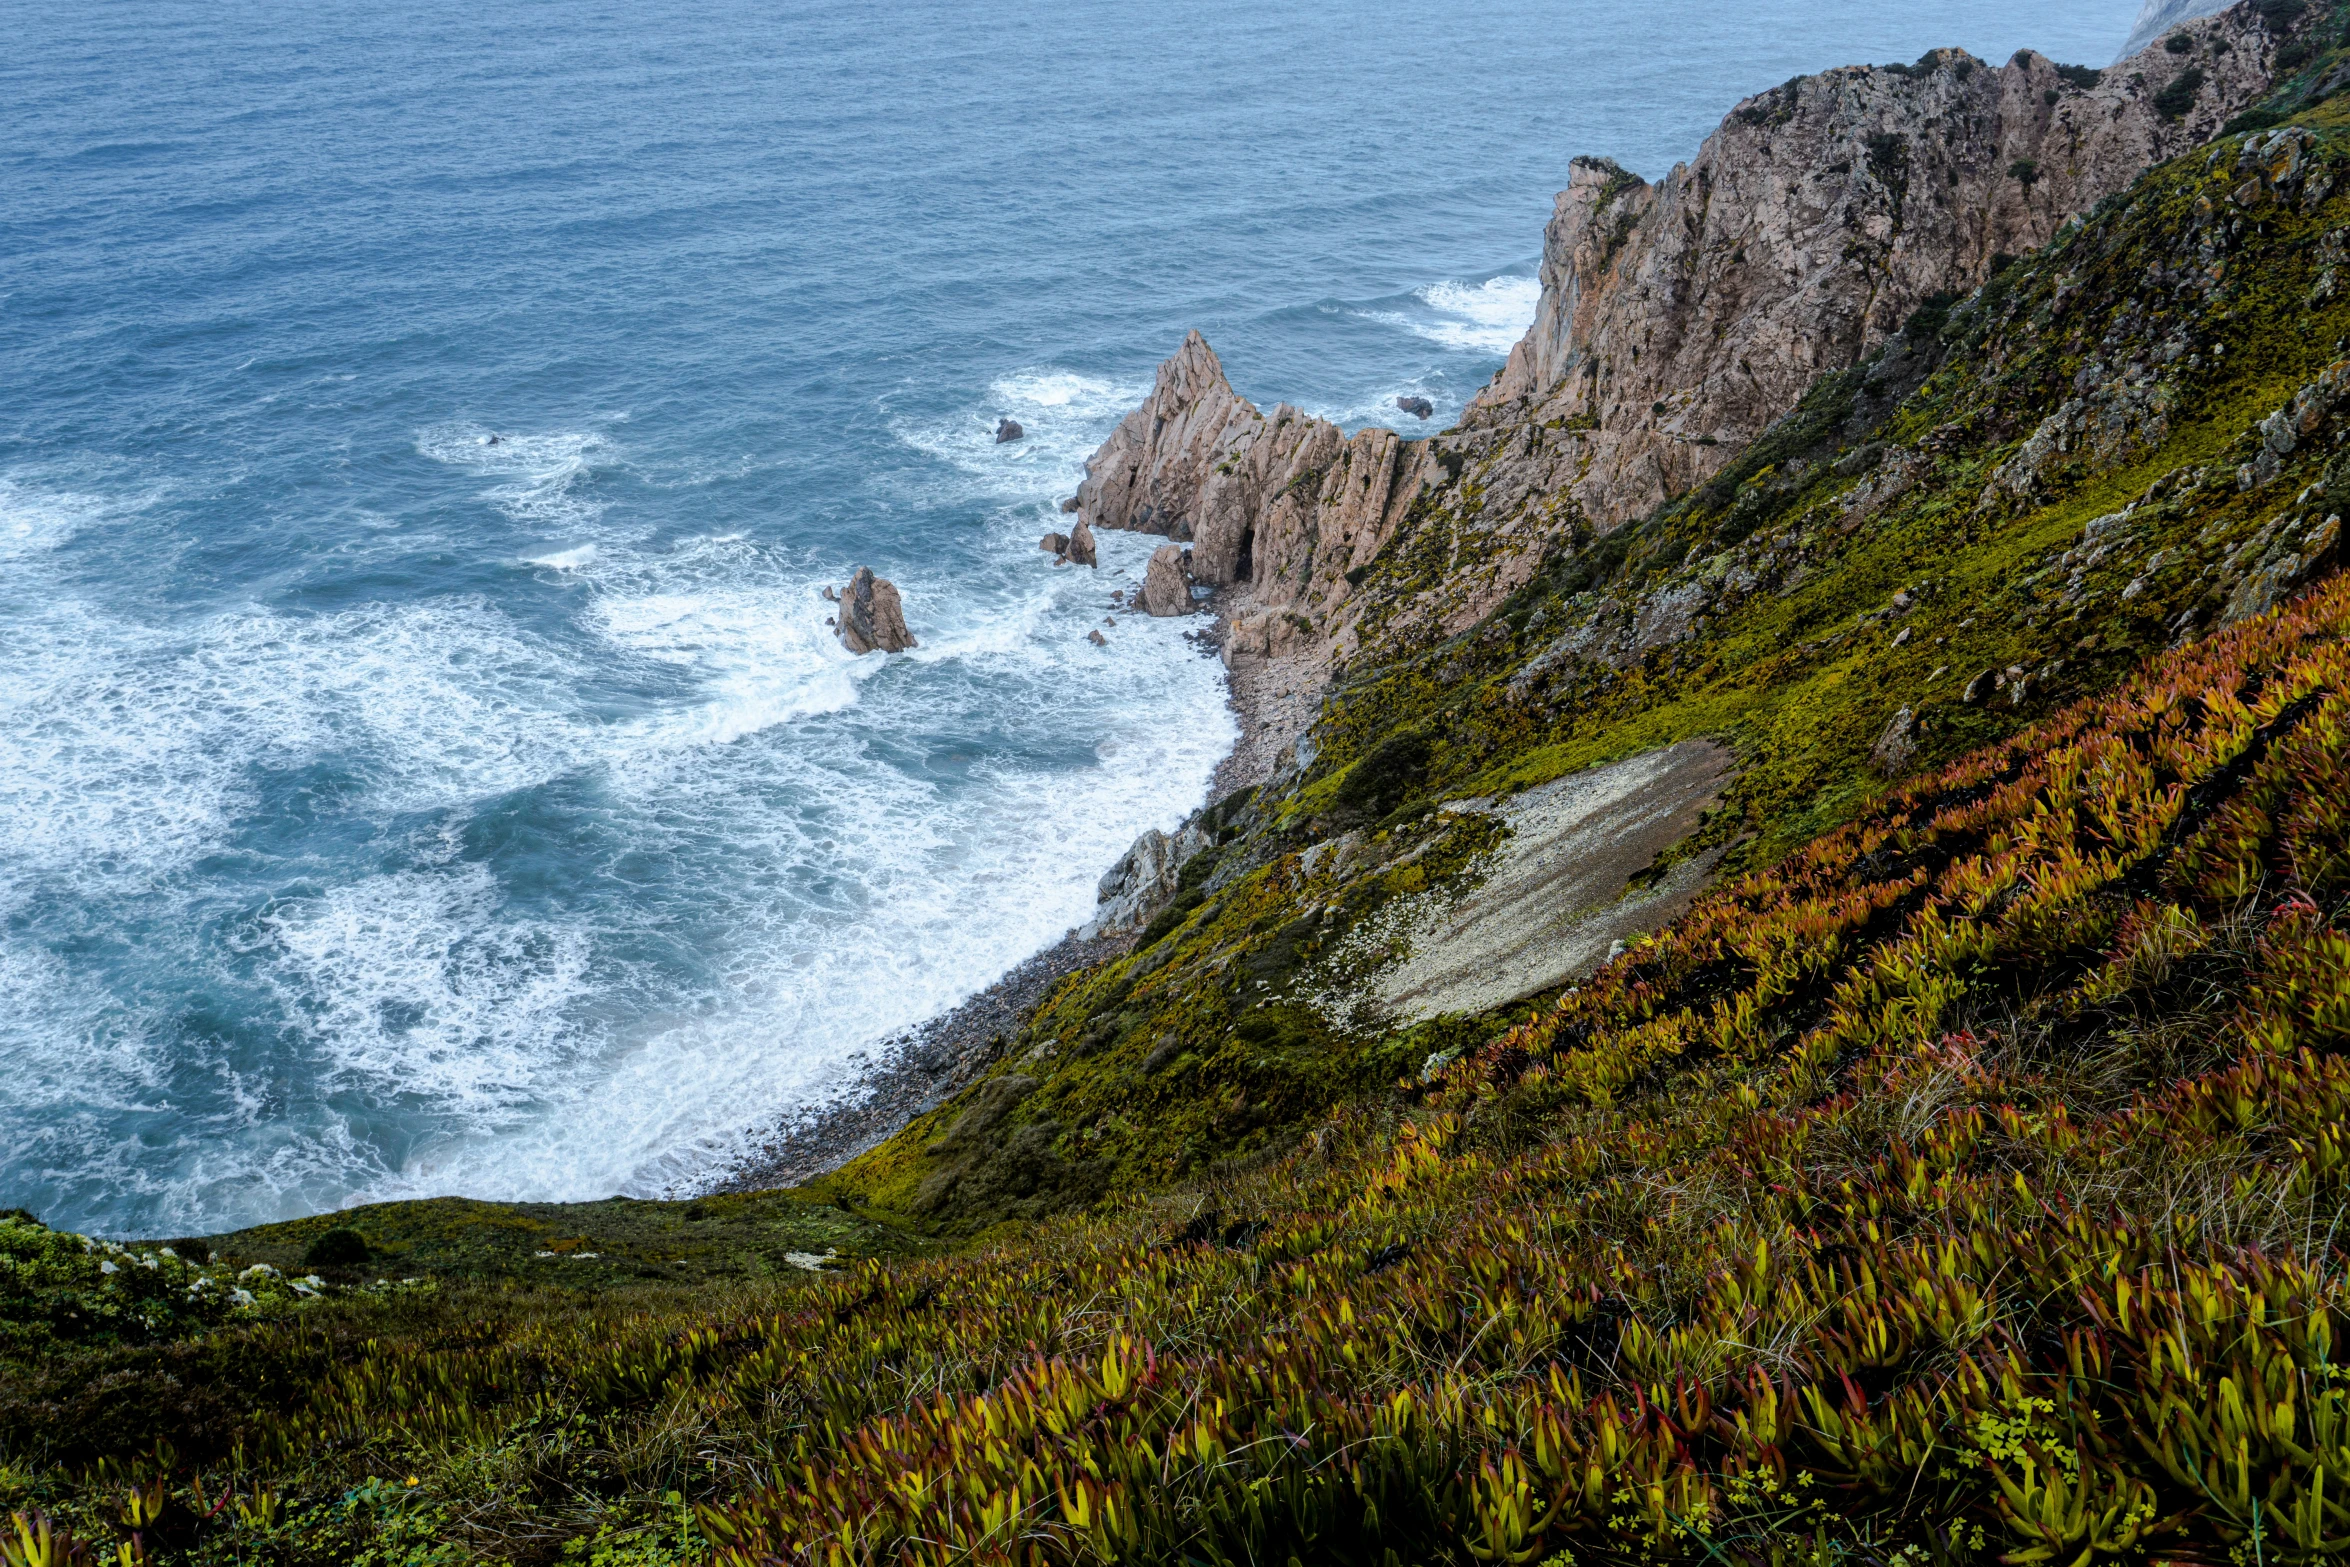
[
  {"x": 1008, "y": 430},
  {"x": 1097, "y": 639},
  {"x": 831, "y": 594},
  {"x": 871, "y": 617},
  {"x": 1054, "y": 544},
  {"x": 1079, "y": 547},
  {"x": 1417, "y": 407},
  {"x": 1070, "y": 504},
  {"x": 1166, "y": 587}
]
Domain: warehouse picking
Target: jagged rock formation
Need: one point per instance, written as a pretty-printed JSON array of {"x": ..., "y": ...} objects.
[
  {"x": 871, "y": 618},
  {"x": 1284, "y": 504},
  {"x": 1677, "y": 320},
  {"x": 1080, "y": 547},
  {"x": 1680, "y": 318},
  {"x": 1166, "y": 583}
]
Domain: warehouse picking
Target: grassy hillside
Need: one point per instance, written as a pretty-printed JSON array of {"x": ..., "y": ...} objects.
[
  {"x": 1959, "y": 1180},
  {"x": 2046, "y": 479}
]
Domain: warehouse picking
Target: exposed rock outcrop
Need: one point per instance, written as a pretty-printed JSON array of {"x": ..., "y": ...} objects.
[
  {"x": 1008, "y": 430},
  {"x": 1283, "y": 504},
  {"x": 1054, "y": 544},
  {"x": 1166, "y": 585},
  {"x": 1679, "y": 318},
  {"x": 1080, "y": 547},
  {"x": 1145, "y": 879},
  {"x": 1417, "y": 407},
  {"x": 871, "y": 618},
  {"x": 1558, "y": 896}
]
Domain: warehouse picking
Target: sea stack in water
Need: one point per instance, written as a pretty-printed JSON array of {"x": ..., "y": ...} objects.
[
  {"x": 870, "y": 616},
  {"x": 1166, "y": 586},
  {"x": 1008, "y": 430},
  {"x": 1079, "y": 548},
  {"x": 1417, "y": 407}
]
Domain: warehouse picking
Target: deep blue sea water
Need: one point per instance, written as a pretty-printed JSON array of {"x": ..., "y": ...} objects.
[{"x": 386, "y": 812}]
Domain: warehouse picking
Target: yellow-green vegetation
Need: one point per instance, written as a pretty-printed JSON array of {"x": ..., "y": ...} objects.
[
  {"x": 1960, "y": 1180},
  {"x": 2009, "y": 507}
]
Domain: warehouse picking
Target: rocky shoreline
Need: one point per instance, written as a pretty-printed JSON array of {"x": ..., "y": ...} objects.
[
  {"x": 1275, "y": 700},
  {"x": 912, "y": 1072}
]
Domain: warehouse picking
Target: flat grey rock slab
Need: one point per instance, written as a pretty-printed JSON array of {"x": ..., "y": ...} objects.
[{"x": 1556, "y": 897}]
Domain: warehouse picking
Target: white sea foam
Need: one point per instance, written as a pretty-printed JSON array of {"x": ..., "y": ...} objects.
[
  {"x": 905, "y": 895},
  {"x": 1063, "y": 417},
  {"x": 763, "y": 855},
  {"x": 420, "y": 986},
  {"x": 1478, "y": 318},
  {"x": 544, "y": 474},
  {"x": 565, "y": 560}
]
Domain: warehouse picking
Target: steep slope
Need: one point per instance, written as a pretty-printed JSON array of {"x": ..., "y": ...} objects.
[{"x": 1954, "y": 1184}]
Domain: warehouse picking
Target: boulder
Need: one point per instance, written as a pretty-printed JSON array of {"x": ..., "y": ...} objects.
[
  {"x": 1144, "y": 880},
  {"x": 1079, "y": 548},
  {"x": 1008, "y": 430},
  {"x": 1097, "y": 639},
  {"x": 1897, "y": 747},
  {"x": 1070, "y": 504},
  {"x": 871, "y": 618},
  {"x": 1166, "y": 586},
  {"x": 1417, "y": 407},
  {"x": 1054, "y": 544}
]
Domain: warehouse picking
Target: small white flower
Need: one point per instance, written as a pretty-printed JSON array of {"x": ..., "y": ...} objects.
[
  {"x": 259, "y": 1270},
  {"x": 105, "y": 1266},
  {"x": 312, "y": 1279},
  {"x": 240, "y": 1297}
]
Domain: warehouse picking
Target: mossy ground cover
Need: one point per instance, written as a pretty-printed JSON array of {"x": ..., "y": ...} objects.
[
  {"x": 1961, "y": 1185},
  {"x": 581, "y": 1246}
]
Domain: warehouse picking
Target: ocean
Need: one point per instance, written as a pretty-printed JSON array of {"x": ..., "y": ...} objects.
[{"x": 424, "y": 434}]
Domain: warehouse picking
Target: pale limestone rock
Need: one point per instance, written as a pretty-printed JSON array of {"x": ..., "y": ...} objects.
[{"x": 1143, "y": 881}]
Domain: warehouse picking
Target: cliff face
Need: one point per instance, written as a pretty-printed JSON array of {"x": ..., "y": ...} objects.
[
  {"x": 1284, "y": 504},
  {"x": 1677, "y": 320}
]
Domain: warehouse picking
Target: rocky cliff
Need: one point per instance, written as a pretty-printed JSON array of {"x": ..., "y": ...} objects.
[{"x": 1677, "y": 320}]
